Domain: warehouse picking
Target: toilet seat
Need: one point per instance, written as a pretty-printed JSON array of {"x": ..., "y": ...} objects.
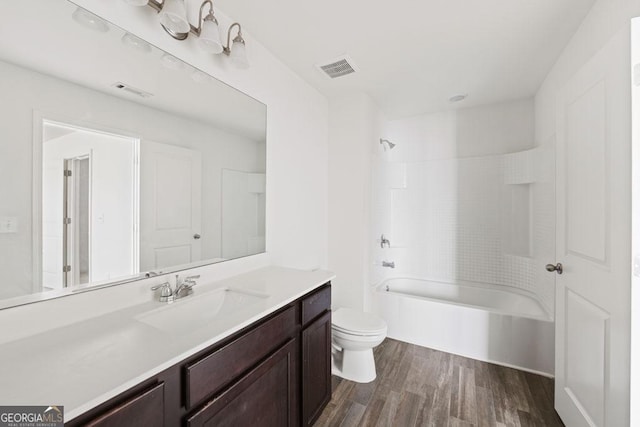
[{"x": 358, "y": 323}]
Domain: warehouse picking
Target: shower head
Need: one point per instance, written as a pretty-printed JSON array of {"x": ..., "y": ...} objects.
[{"x": 386, "y": 143}]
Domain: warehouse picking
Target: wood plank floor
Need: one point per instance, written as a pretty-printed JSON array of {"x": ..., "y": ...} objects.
[{"x": 418, "y": 386}]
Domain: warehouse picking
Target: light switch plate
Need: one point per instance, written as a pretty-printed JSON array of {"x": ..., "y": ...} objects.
[{"x": 8, "y": 224}]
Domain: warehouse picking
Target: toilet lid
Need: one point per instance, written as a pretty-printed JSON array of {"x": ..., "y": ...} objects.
[{"x": 357, "y": 322}]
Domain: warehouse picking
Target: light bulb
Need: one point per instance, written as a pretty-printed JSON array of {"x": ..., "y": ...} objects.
[
  {"x": 239, "y": 54},
  {"x": 210, "y": 36},
  {"x": 174, "y": 17}
]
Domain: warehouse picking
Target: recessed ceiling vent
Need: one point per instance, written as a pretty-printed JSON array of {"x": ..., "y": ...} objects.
[
  {"x": 130, "y": 89},
  {"x": 338, "y": 67}
]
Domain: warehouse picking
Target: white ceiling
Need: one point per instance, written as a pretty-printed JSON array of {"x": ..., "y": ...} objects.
[{"x": 413, "y": 55}]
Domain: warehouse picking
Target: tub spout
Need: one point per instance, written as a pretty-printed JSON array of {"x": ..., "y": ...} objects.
[{"x": 391, "y": 264}]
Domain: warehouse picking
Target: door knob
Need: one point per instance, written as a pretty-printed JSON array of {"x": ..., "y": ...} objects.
[
  {"x": 557, "y": 268},
  {"x": 196, "y": 236}
]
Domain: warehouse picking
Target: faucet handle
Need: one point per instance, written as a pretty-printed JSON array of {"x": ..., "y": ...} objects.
[{"x": 165, "y": 289}]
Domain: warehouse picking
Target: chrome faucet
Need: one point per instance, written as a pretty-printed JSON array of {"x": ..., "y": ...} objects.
[
  {"x": 391, "y": 264},
  {"x": 384, "y": 241},
  {"x": 182, "y": 289},
  {"x": 166, "y": 293},
  {"x": 185, "y": 287}
]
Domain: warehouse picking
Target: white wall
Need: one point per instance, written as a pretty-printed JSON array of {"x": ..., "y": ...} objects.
[
  {"x": 354, "y": 124},
  {"x": 242, "y": 204},
  {"x": 635, "y": 280}
]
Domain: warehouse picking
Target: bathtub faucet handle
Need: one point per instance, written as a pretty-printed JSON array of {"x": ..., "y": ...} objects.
[{"x": 384, "y": 241}]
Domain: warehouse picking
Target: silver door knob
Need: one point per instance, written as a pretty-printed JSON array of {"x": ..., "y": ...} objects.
[
  {"x": 557, "y": 268},
  {"x": 196, "y": 236}
]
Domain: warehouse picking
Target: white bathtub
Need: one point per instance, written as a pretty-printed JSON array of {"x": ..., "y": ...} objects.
[{"x": 493, "y": 325}]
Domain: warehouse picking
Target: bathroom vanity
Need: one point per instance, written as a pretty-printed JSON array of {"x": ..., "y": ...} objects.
[{"x": 266, "y": 362}]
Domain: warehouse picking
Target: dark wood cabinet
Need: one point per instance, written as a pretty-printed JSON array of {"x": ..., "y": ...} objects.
[
  {"x": 144, "y": 409},
  {"x": 214, "y": 371},
  {"x": 275, "y": 372},
  {"x": 316, "y": 368},
  {"x": 266, "y": 396}
]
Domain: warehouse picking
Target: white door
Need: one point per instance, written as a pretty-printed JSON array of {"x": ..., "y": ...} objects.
[
  {"x": 170, "y": 206},
  {"x": 593, "y": 241}
]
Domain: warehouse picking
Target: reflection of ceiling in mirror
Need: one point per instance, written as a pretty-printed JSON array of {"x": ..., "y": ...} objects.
[{"x": 55, "y": 44}]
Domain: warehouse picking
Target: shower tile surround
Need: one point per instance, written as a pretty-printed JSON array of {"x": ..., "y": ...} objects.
[{"x": 455, "y": 214}]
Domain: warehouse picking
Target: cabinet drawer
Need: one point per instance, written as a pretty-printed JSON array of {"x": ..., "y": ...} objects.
[
  {"x": 145, "y": 409},
  {"x": 315, "y": 304},
  {"x": 214, "y": 371},
  {"x": 267, "y": 396}
]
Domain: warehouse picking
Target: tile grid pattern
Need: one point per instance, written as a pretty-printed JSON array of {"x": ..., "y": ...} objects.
[{"x": 417, "y": 386}]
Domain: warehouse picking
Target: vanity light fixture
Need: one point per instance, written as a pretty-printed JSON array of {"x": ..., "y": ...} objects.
[
  {"x": 237, "y": 52},
  {"x": 173, "y": 18}
]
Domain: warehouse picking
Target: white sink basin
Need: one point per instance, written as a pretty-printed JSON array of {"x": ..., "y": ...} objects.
[{"x": 196, "y": 311}]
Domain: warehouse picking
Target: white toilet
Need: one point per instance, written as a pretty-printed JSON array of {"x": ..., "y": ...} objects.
[{"x": 354, "y": 334}]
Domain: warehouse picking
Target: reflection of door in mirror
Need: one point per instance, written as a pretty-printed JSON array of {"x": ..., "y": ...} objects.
[
  {"x": 170, "y": 206},
  {"x": 75, "y": 226},
  {"x": 89, "y": 206},
  {"x": 243, "y": 207}
]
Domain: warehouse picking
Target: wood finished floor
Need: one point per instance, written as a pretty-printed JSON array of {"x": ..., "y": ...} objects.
[{"x": 418, "y": 386}]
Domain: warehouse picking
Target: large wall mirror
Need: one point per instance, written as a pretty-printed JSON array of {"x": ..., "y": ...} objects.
[{"x": 116, "y": 158}]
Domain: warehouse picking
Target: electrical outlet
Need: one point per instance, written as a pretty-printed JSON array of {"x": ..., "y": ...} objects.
[{"x": 8, "y": 224}]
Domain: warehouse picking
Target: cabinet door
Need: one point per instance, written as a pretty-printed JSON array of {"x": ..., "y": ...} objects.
[
  {"x": 267, "y": 396},
  {"x": 145, "y": 409},
  {"x": 316, "y": 368}
]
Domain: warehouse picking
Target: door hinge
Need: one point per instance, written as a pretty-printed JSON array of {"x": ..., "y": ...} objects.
[
  {"x": 66, "y": 221},
  {"x": 67, "y": 172},
  {"x": 66, "y": 268}
]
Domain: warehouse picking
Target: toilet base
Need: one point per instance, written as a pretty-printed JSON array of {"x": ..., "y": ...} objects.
[{"x": 353, "y": 365}]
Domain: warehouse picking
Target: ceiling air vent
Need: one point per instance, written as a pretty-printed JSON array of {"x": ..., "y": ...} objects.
[
  {"x": 338, "y": 67},
  {"x": 130, "y": 89}
]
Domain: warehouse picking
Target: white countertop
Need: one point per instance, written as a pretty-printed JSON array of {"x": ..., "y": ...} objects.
[{"x": 85, "y": 364}]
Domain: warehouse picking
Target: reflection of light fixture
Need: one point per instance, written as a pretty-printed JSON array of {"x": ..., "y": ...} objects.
[
  {"x": 173, "y": 18},
  {"x": 89, "y": 20},
  {"x": 136, "y": 43},
  {"x": 171, "y": 62},
  {"x": 237, "y": 52},
  {"x": 199, "y": 76}
]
